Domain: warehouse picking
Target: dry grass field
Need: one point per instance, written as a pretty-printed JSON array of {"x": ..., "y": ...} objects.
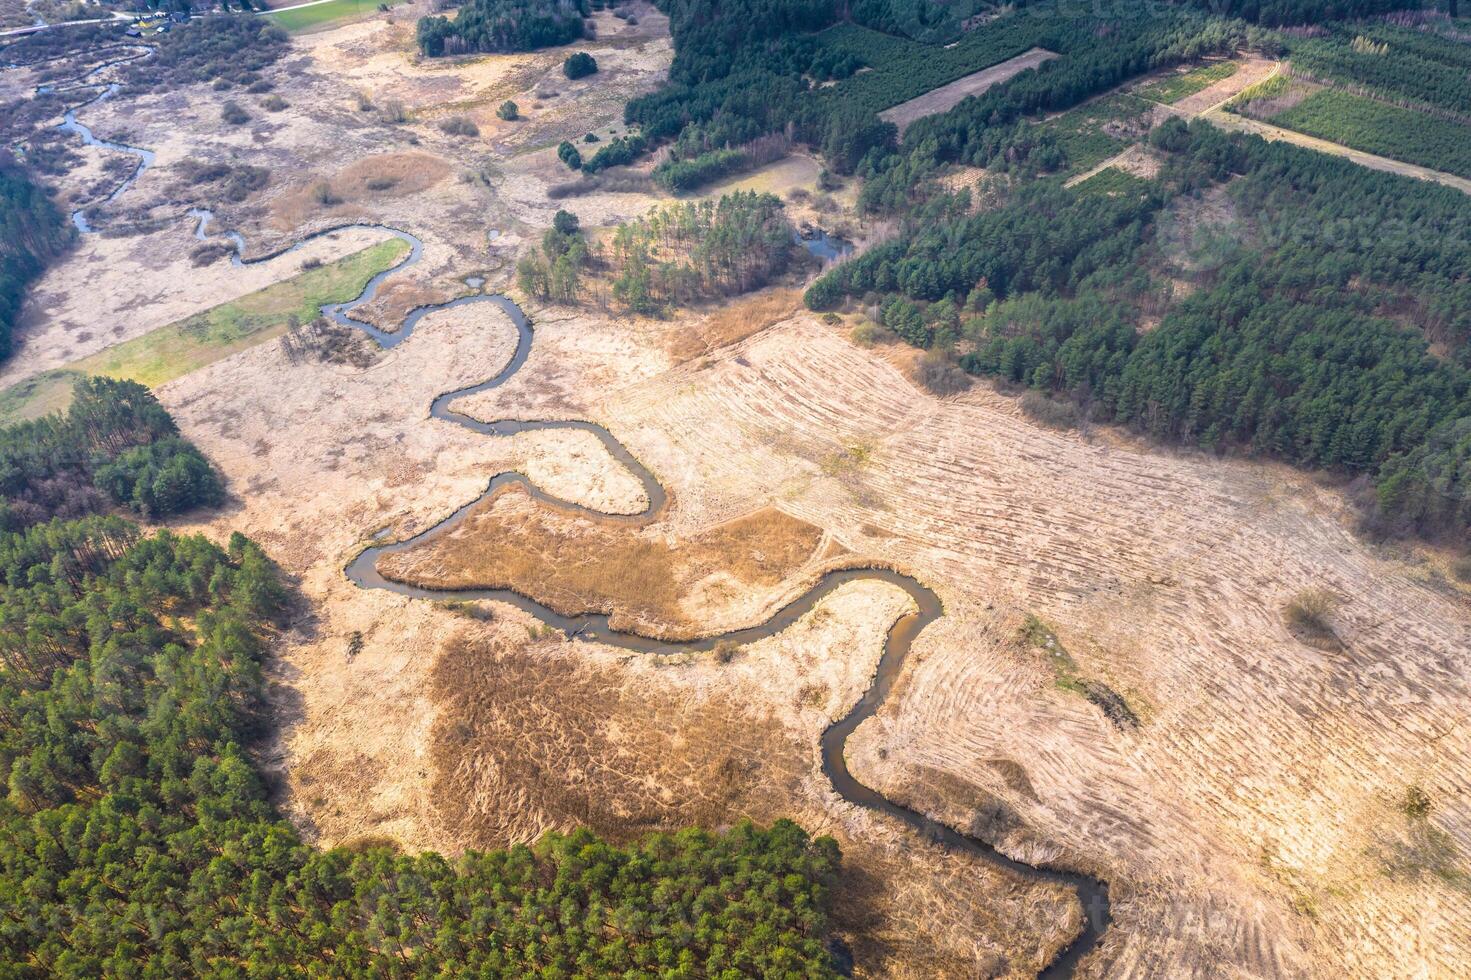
[{"x": 1262, "y": 819}]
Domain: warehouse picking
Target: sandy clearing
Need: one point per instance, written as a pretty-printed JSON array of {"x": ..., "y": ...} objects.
[
  {"x": 1261, "y": 783},
  {"x": 334, "y": 454},
  {"x": 1167, "y": 572},
  {"x": 948, "y": 96}
]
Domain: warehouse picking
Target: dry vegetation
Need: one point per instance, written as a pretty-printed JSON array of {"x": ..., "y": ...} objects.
[
  {"x": 1278, "y": 810},
  {"x": 576, "y": 564},
  {"x": 530, "y": 737}
]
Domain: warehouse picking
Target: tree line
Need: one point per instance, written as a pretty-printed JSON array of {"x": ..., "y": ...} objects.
[
  {"x": 115, "y": 445},
  {"x": 32, "y": 233},
  {"x": 137, "y": 837},
  {"x": 1298, "y": 344},
  {"x": 503, "y": 25}
]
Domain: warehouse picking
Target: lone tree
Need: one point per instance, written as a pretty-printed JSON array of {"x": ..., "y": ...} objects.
[
  {"x": 509, "y": 111},
  {"x": 579, "y": 65}
]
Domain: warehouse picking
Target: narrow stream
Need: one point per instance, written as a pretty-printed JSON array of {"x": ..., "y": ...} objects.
[
  {"x": 1092, "y": 893},
  {"x": 69, "y": 124},
  {"x": 363, "y": 570}
]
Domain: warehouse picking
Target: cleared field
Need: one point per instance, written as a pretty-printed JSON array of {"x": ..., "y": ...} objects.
[
  {"x": 947, "y": 97},
  {"x": 1177, "y": 86},
  {"x": 173, "y": 351},
  {"x": 1377, "y": 127},
  {"x": 898, "y": 69},
  {"x": 316, "y": 15}
]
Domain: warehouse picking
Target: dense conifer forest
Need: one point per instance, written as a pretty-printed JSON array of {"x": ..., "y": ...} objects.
[
  {"x": 503, "y": 25},
  {"x": 115, "y": 445},
  {"x": 1308, "y": 341},
  {"x": 136, "y": 838}
]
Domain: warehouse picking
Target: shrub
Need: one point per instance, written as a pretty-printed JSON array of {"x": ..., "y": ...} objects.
[
  {"x": 233, "y": 114},
  {"x": 619, "y": 152},
  {"x": 509, "y": 111},
  {"x": 1051, "y": 412},
  {"x": 868, "y": 333},
  {"x": 579, "y": 65},
  {"x": 1308, "y": 615},
  {"x": 1416, "y": 803},
  {"x": 940, "y": 375},
  {"x": 322, "y": 193},
  {"x": 393, "y": 111},
  {"x": 381, "y": 183},
  {"x": 459, "y": 126},
  {"x": 569, "y": 155},
  {"x": 565, "y": 222},
  {"x": 273, "y": 103}
]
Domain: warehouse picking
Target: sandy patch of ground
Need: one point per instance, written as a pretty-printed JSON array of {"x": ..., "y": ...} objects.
[
  {"x": 947, "y": 97},
  {"x": 333, "y": 454},
  {"x": 1251, "y": 70},
  {"x": 1135, "y": 159},
  {"x": 1238, "y": 833},
  {"x": 1169, "y": 573}
]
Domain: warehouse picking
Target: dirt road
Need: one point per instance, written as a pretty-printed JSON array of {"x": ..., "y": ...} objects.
[{"x": 1227, "y": 120}]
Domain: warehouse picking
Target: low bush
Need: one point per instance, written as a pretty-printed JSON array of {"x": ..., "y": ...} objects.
[
  {"x": 1309, "y": 616},
  {"x": 393, "y": 111},
  {"x": 1054, "y": 413},
  {"x": 322, "y": 193},
  {"x": 234, "y": 114},
  {"x": 940, "y": 375},
  {"x": 459, "y": 126}
]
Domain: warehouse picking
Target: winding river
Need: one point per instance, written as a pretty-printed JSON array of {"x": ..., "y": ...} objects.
[{"x": 1092, "y": 893}]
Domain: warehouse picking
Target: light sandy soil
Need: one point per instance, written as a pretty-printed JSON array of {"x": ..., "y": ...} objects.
[
  {"x": 1251, "y": 70},
  {"x": 947, "y": 97},
  {"x": 1229, "y": 120},
  {"x": 1249, "y": 826},
  {"x": 1135, "y": 159}
]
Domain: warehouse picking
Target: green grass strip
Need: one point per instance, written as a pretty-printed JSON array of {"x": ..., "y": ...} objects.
[{"x": 176, "y": 349}]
